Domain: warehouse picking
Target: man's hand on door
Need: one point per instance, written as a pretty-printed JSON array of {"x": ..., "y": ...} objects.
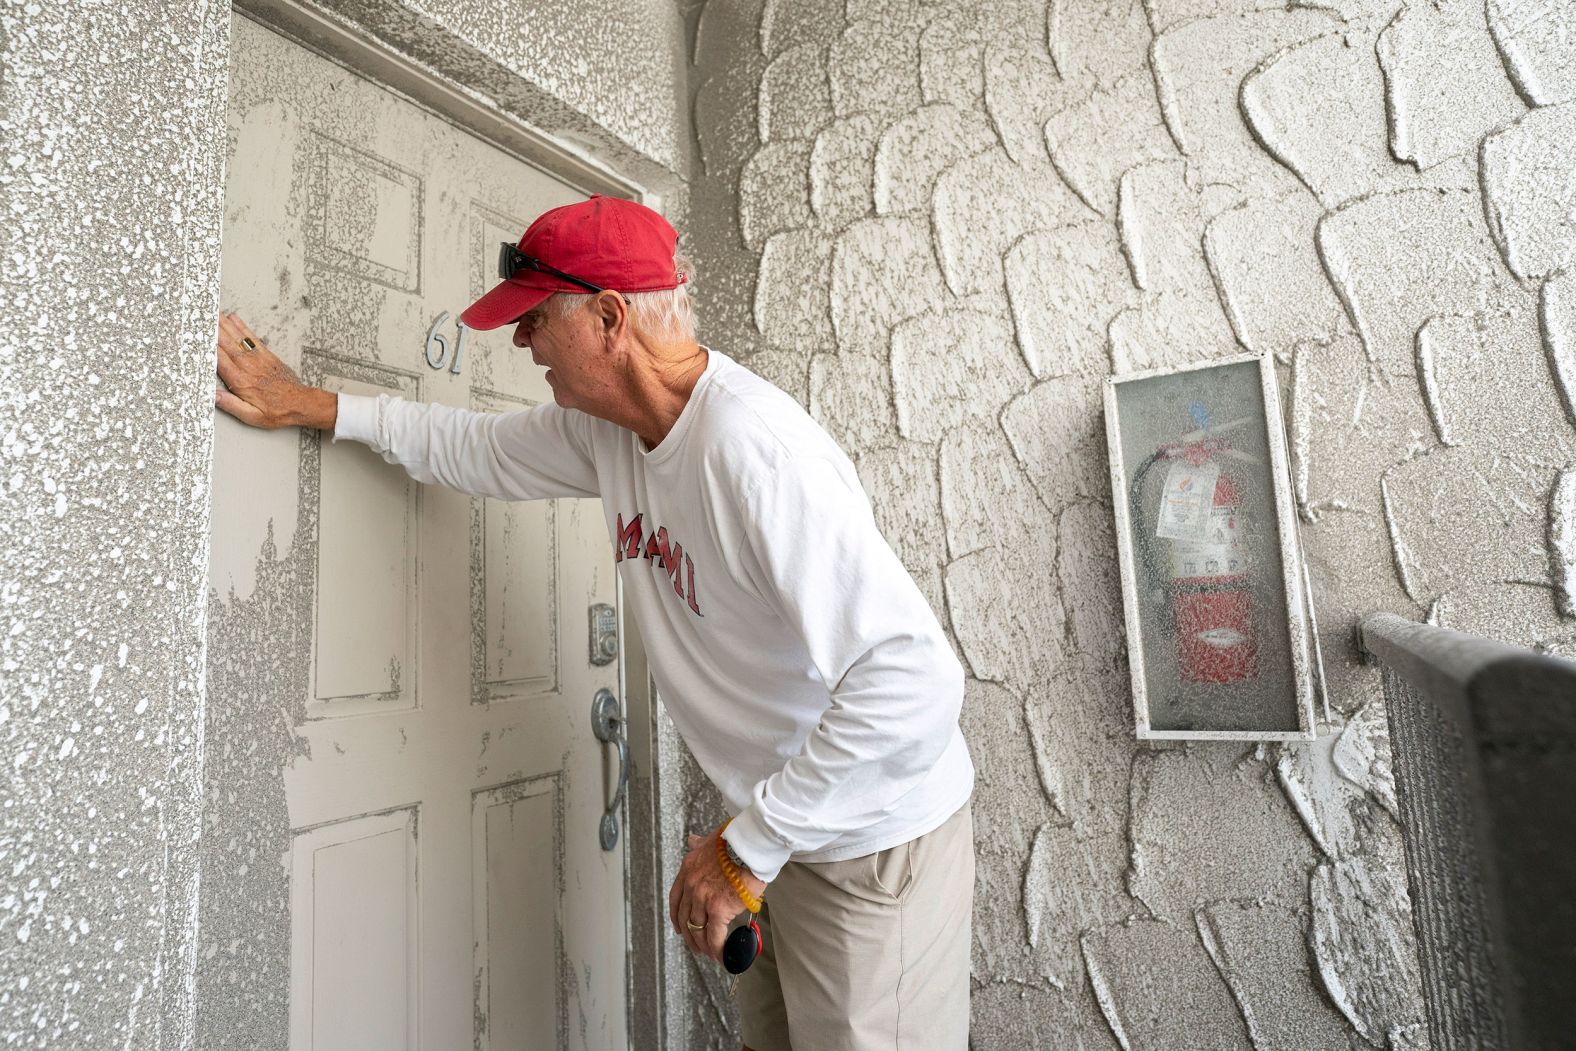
[{"x": 258, "y": 389}]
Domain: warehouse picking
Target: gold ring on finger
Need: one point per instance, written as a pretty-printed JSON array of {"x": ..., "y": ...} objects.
[
  {"x": 247, "y": 340},
  {"x": 696, "y": 926}
]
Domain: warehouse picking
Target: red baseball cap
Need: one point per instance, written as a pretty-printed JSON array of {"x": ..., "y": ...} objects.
[{"x": 607, "y": 241}]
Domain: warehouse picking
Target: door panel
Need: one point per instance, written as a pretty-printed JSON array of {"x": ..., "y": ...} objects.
[
  {"x": 367, "y": 543},
  {"x": 520, "y": 966},
  {"x": 354, "y": 909},
  {"x": 442, "y": 783},
  {"x": 364, "y": 214},
  {"x": 515, "y": 551}
]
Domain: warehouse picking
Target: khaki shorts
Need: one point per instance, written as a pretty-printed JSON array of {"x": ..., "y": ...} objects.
[{"x": 867, "y": 953}]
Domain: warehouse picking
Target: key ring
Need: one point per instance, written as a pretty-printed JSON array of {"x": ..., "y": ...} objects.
[
  {"x": 742, "y": 947},
  {"x": 744, "y": 944}
]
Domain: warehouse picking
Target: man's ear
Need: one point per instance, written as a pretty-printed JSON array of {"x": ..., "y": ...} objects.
[{"x": 612, "y": 313}]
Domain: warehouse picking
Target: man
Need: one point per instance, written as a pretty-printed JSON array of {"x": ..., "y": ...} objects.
[{"x": 794, "y": 653}]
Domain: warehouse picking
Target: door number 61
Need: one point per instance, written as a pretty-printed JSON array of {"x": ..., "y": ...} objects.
[{"x": 437, "y": 349}]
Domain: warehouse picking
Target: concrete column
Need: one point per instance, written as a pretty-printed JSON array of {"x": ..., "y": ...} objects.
[{"x": 113, "y": 129}]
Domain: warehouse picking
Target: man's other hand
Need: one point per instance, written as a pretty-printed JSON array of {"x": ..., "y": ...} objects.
[
  {"x": 258, "y": 389},
  {"x": 702, "y": 896}
]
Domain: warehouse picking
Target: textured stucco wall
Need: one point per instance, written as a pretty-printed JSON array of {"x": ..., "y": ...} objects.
[
  {"x": 608, "y": 77},
  {"x": 111, "y": 180},
  {"x": 113, "y": 145},
  {"x": 938, "y": 224}
]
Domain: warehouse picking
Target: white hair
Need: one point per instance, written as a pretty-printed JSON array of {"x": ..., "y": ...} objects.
[{"x": 667, "y": 315}]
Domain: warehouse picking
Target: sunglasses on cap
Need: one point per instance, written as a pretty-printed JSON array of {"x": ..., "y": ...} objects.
[{"x": 511, "y": 261}]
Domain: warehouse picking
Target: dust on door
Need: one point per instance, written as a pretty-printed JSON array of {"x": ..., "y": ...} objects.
[{"x": 411, "y": 664}]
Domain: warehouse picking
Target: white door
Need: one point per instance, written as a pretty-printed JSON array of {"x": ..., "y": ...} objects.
[{"x": 447, "y": 886}]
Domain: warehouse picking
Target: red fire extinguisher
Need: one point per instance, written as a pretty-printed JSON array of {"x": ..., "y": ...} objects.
[
  {"x": 1211, "y": 598},
  {"x": 1208, "y": 590}
]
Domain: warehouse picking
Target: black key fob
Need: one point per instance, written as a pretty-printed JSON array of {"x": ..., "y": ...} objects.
[{"x": 741, "y": 948}]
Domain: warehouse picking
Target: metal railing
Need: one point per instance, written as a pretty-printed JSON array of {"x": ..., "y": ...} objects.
[{"x": 1484, "y": 743}]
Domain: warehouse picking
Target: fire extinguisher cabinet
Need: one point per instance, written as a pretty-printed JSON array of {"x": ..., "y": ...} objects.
[{"x": 1220, "y": 634}]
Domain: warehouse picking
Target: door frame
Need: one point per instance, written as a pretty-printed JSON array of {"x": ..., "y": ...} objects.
[{"x": 362, "y": 52}]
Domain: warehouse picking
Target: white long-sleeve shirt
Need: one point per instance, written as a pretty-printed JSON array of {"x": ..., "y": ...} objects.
[{"x": 794, "y": 653}]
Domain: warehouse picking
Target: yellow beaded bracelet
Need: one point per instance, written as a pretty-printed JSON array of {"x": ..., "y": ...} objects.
[{"x": 731, "y": 872}]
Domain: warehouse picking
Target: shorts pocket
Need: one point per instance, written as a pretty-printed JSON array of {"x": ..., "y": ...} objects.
[{"x": 893, "y": 869}]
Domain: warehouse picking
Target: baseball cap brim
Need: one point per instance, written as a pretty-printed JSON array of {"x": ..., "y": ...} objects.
[{"x": 502, "y": 305}]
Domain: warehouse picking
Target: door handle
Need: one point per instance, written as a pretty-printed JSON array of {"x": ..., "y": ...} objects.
[{"x": 606, "y": 723}]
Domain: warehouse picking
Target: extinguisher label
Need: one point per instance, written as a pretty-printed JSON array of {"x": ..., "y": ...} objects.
[
  {"x": 1186, "y": 501},
  {"x": 1219, "y": 553}
]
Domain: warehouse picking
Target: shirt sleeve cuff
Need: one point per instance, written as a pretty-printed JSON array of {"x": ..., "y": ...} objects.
[
  {"x": 357, "y": 419},
  {"x": 762, "y": 853}
]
